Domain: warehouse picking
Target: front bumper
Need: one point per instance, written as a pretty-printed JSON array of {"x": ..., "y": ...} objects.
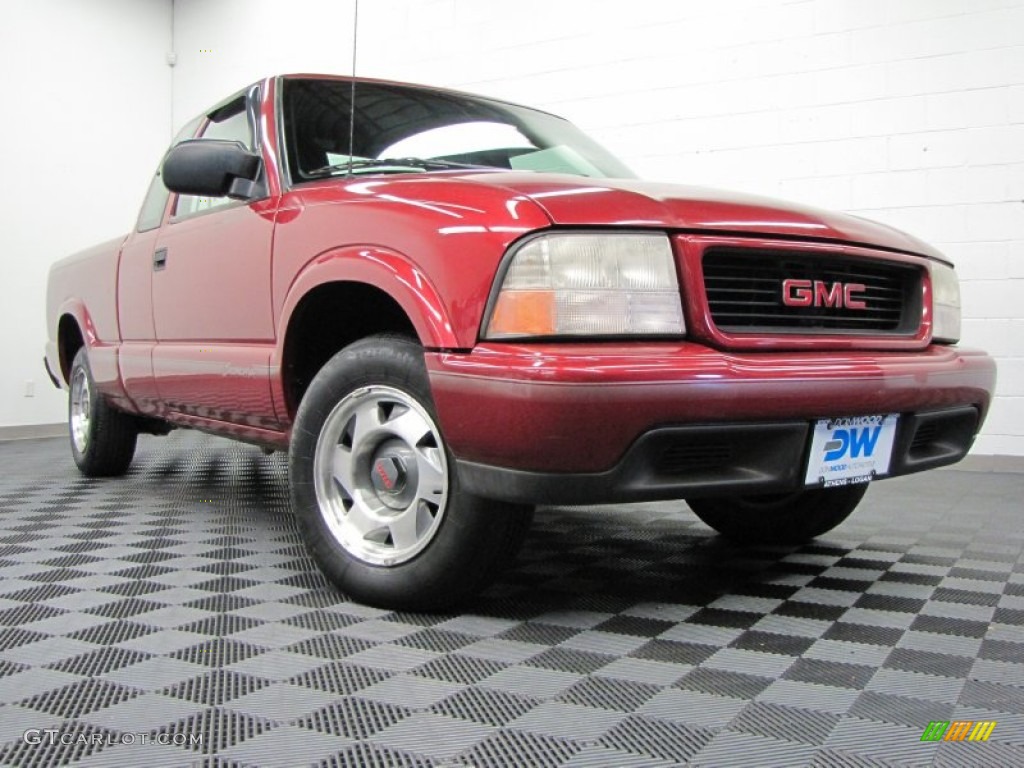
[{"x": 594, "y": 423}]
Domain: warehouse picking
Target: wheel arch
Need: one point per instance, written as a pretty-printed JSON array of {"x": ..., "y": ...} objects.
[
  {"x": 74, "y": 331},
  {"x": 347, "y": 294}
]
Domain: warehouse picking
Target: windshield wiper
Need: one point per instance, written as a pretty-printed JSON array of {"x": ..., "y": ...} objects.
[{"x": 390, "y": 165}]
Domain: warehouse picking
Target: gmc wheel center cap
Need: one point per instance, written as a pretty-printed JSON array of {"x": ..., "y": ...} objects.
[{"x": 388, "y": 475}]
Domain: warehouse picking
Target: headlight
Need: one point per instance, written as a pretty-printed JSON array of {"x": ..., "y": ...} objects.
[
  {"x": 945, "y": 304},
  {"x": 589, "y": 284}
]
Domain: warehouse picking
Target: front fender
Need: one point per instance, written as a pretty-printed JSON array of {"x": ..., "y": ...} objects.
[{"x": 381, "y": 268}]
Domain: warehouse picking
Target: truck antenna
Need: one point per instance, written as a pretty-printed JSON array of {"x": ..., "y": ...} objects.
[{"x": 352, "y": 93}]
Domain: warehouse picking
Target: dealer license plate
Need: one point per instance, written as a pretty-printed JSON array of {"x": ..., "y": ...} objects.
[{"x": 849, "y": 450}]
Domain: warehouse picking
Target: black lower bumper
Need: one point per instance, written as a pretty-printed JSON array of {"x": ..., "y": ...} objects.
[{"x": 719, "y": 460}]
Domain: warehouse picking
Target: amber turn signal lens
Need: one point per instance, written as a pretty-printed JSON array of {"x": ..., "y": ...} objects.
[{"x": 524, "y": 312}]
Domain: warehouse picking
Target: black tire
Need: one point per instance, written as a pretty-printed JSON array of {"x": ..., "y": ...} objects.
[
  {"x": 380, "y": 505},
  {"x": 781, "y": 519},
  {"x": 102, "y": 438}
]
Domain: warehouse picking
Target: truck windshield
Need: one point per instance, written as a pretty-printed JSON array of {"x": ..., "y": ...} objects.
[{"x": 409, "y": 129}]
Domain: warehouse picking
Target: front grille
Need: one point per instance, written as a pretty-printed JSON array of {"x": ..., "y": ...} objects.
[{"x": 745, "y": 293}]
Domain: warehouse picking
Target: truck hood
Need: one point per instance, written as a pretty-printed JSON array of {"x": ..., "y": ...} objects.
[{"x": 579, "y": 201}]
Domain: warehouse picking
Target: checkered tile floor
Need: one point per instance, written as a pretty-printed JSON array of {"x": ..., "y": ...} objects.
[{"x": 179, "y": 603}]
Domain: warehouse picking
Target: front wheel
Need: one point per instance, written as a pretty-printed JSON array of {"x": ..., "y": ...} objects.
[
  {"x": 779, "y": 519},
  {"x": 102, "y": 438},
  {"x": 375, "y": 490}
]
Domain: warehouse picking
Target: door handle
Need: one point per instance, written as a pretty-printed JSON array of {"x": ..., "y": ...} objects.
[{"x": 159, "y": 259}]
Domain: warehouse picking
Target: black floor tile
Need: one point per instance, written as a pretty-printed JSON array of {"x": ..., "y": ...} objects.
[{"x": 179, "y": 601}]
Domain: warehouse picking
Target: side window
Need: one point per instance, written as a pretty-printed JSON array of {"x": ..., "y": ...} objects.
[
  {"x": 152, "y": 212},
  {"x": 231, "y": 128}
]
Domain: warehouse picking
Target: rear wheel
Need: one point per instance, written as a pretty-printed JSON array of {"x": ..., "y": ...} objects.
[
  {"x": 785, "y": 519},
  {"x": 375, "y": 489},
  {"x": 102, "y": 438}
]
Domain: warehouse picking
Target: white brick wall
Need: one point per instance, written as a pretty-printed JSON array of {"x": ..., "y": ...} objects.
[
  {"x": 907, "y": 111},
  {"x": 85, "y": 119}
]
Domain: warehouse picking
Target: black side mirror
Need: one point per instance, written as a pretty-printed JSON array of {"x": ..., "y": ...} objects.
[{"x": 212, "y": 168}]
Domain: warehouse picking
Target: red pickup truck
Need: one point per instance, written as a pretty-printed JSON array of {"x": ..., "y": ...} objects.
[{"x": 448, "y": 309}]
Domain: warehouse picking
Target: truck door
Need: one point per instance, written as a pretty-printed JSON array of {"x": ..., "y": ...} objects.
[
  {"x": 135, "y": 317},
  {"x": 135, "y": 294},
  {"x": 211, "y": 297}
]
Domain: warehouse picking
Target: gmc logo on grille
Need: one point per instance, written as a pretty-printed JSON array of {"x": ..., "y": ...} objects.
[{"x": 818, "y": 293}]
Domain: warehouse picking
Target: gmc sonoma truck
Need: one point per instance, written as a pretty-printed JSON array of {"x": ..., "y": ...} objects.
[{"x": 448, "y": 309}]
